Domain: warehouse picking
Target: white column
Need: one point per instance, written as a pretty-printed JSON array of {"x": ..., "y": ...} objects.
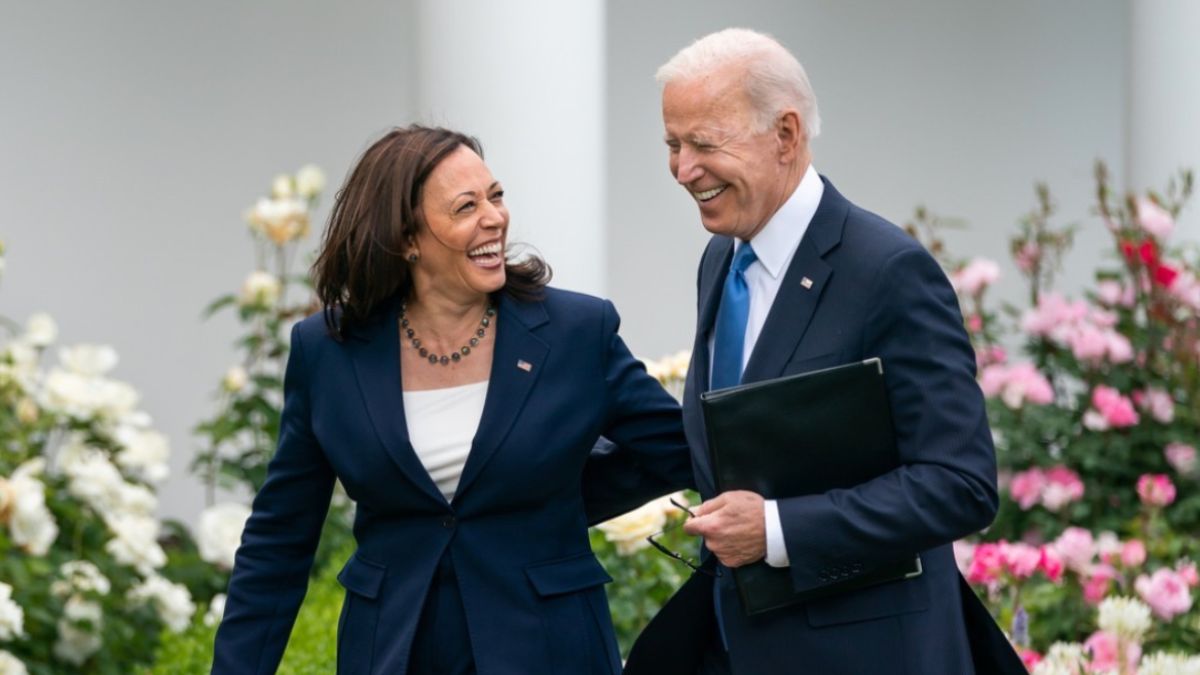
[
  {"x": 527, "y": 78},
  {"x": 1164, "y": 95}
]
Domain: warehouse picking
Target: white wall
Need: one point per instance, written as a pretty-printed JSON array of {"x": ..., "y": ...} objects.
[
  {"x": 132, "y": 137},
  {"x": 960, "y": 106}
]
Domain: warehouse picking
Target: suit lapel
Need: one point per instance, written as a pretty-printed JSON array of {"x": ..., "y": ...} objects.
[
  {"x": 518, "y": 359},
  {"x": 801, "y": 290},
  {"x": 377, "y": 368},
  {"x": 713, "y": 268}
]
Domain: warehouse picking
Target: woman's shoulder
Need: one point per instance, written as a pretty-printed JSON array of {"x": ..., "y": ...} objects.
[{"x": 564, "y": 308}]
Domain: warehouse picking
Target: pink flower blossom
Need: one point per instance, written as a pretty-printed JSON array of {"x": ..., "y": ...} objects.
[
  {"x": 1117, "y": 410},
  {"x": 1108, "y": 546},
  {"x": 1181, "y": 457},
  {"x": 974, "y": 277},
  {"x": 1097, "y": 583},
  {"x": 1110, "y": 292},
  {"x": 1020, "y": 560},
  {"x": 1016, "y": 385},
  {"x": 1053, "y": 316},
  {"x": 1027, "y": 256},
  {"x": 1077, "y": 548},
  {"x": 1155, "y": 489},
  {"x": 1166, "y": 592},
  {"x": 1105, "y": 650},
  {"x": 1157, "y": 402},
  {"x": 987, "y": 565},
  {"x": 988, "y": 356},
  {"x": 1063, "y": 486},
  {"x": 1154, "y": 219},
  {"x": 1133, "y": 553},
  {"x": 1186, "y": 570},
  {"x": 1026, "y": 487},
  {"x": 1051, "y": 563}
]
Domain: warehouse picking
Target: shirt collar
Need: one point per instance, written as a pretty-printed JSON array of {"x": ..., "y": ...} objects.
[{"x": 774, "y": 244}]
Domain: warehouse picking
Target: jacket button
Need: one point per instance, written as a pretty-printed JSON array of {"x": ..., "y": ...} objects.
[{"x": 449, "y": 522}]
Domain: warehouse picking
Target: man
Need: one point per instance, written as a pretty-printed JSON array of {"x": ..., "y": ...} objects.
[{"x": 796, "y": 278}]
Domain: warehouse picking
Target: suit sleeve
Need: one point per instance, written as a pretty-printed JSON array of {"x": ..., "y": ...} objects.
[
  {"x": 271, "y": 569},
  {"x": 643, "y": 453},
  {"x": 945, "y": 487}
]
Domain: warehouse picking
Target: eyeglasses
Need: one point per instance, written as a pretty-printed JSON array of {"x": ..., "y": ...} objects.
[{"x": 696, "y": 567}]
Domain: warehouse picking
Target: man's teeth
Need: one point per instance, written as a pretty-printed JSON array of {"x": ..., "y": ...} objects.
[
  {"x": 488, "y": 249},
  {"x": 709, "y": 194}
]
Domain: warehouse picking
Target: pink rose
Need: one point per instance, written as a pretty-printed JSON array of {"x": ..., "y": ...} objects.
[
  {"x": 1026, "y": 487},
  {"x": 987, "y": 565},
  {"x": 1027, "y": 256},
  {"x": 1077, "y": 548},
  {"x": 1051, "y": 563},
  {"x": 1117, "y": 410},
  {"x": 1181, "y": 457},
  {"x": 1166, "y": 592},
  {"x": 1186, "y": 570},
  {"x": 1097, "y": 584},
  {"x": 1026, "y": 382},
  {"x": 1109, "y": 292},
  {"x": 1133, "y": 553},
  {"x": 974, "y": 277},
  {"x": 974, "y": 323},
  {"x": 1105, "y": 648},
  {"x": 1108, "y": 546},
  {"x": 1063, "y": 486},
  {"x": 1155, "y": 489},
  {"x": 1021, "y": 560},
  {"x": 1089, "y": 343},
  {"x": 1030, "y": 658},
  {"x": 1154, "y": 219},
  {"x": 1053, "y": 315},
  {"x": 1157, "y": 402}
]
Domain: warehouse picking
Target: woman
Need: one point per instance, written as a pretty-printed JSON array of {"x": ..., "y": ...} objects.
[{"x": 457, "y": 399}]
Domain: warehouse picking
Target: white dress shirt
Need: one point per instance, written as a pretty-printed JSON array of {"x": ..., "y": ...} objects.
[{"x": 774, "y": 246}]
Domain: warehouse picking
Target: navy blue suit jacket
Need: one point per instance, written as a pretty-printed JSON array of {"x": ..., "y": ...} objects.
[
  {"x": 874, "y": 292},
  {"x": 516, "y": 529}
]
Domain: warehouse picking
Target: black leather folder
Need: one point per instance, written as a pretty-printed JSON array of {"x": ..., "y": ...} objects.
[{"x": 802, "y": 435}]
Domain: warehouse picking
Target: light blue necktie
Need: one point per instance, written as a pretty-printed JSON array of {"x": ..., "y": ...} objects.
[{"x": 731, "y": 321}]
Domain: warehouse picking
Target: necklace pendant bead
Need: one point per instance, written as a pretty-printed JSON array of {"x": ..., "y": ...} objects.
[
  {"x": 455, "y": 357},
  {"x": 480, "y": 332},
  {"x": 423, "y": 352},
  {"x": 474, "y": 342},
  {"x": 433, "y": 358},
  {"x": 465, "y": 351},
  {"x": 445, "y": 360}
]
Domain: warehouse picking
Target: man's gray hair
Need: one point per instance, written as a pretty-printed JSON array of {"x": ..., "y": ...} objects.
[{"x": 774, "y": 79}]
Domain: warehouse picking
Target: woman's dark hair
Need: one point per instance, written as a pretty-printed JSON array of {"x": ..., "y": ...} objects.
[{"x": 361, "y": 265}]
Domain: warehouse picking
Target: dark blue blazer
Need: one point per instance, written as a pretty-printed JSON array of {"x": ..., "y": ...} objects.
[
  {"x": 874, "y": 292},
  {"x": 516, "y": 530}
]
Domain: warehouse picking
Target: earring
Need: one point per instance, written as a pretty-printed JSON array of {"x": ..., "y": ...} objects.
[{"x": 413, "y": 257}]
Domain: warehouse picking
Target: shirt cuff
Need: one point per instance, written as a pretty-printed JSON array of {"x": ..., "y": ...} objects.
[{"x": 777, "y": 555}]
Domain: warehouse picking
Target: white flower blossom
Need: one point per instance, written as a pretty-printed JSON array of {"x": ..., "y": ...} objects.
[
  {"x": 88, "y": 360},
  {"x": 9, "y": 664},
  {"x": 235, "y": 379},
  {"x": 18, "y": 364},
  {"x": 1126, "y": 618},
  {"x": 220, "y": 532},
  {"x": 85, "y": 396},
  {"x": 144, "y": 453},
  {"x": 41, "y": 330},
  {"x": 30, "y": 523},
  {"x": 1163, "y": 663},
  {"x": 172, "y": 601},
  {"x": 628, "y": 532},
  {"x": 12, "y": 617},
  {"x": 80, "y": 576},
  {"x": 261, "y": 289},
  {"x": 310, "y": 181},
  {"x": 216, "y": 610},
  {"x": 1063, "y": 658},
  {"x": 135, "y": 542},
  {"x": 78, "y": 630},
  {"x": 281, "y": 187}
]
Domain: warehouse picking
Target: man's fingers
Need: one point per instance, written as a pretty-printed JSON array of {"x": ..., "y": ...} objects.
[
  {"x": 709, "y": 506},
  {"x": 698, "y": 526}
]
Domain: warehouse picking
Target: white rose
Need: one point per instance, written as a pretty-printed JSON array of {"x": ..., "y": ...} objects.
[
  {"x": 235, "y": 379},
  {"x": 88, "y": 360},
  {"x": 220, "y": 532},
  {"x": 628, "y": 532},
  {"x": 31, "y": 524},
  {"x": 19, "y": 363},
  {"x": 216, "y": 610},
  {"x": 80, "y": 576},
  {"x": 41, "y": 330},
  {"x": 9, "y": 664},
  {"x": 172, "y": 601},
  {"x": 281, "y": 187},
  {"x": 75, "y": 643},
  {"x": 310, "y": 181},
  {"x": 12, "y": 617},
  {"x": 261, "y": 289},
  {"x": 281, "y": 220},
  {"x": 144, "y": 453},
  {"x": 135, "y": 542}
]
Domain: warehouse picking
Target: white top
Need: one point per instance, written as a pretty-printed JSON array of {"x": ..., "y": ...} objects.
[
  {"x": 441, "y": 426},
  {"x": 774, "y": 246}
]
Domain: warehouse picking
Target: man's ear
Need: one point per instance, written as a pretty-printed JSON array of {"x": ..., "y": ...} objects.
[{"x": 790, "y": 135}]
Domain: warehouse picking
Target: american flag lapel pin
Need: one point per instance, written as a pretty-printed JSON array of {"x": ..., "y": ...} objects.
[
  {"x": 806, "y": 283},
  {"x": 524, "y": 365}
]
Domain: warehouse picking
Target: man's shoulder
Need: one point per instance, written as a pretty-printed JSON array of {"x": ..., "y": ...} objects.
[{"x": 868, "y": 233}]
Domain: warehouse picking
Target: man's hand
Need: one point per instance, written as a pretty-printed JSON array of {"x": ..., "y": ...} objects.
[{"x": 733, "y": 527}]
